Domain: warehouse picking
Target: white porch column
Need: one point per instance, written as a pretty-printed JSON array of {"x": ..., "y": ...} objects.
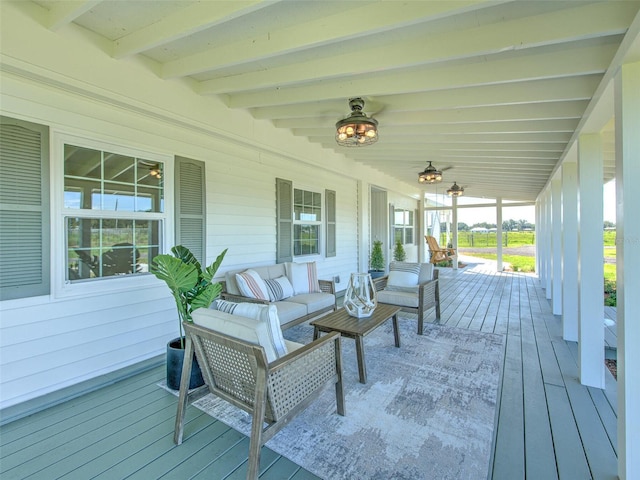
[
  {"x": 454, "y": 232},
  {"x": 422, "y": 231},
  {"x": 570, "y": 251},
  {"x": 627, "y": 119},
  {"x": 548, "y": 228},
  {"x": 539, "y": 209},
  {"x": 556, "y": 246},
  {"x": 499, "y": 232},
  {"x": 591, "y": 260}
]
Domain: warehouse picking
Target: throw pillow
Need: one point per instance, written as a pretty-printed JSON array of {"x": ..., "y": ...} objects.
[
  {"x": 279, "y": 288},
  {"x": 267, "y": 314},
  {"x": 251, "y": 285},
  {"x": 303, "y": 277},
  {"x": 403, "y": 274}
]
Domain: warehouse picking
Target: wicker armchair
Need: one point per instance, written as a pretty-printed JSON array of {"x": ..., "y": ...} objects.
[
  {"x": 238, "y": 372},
  {"x": 427, "y": 297}
]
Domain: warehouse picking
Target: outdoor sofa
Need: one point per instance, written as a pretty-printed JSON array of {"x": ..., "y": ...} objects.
[{"x": 293, "y": 288}]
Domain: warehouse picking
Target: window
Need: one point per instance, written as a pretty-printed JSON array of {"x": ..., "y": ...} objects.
[
  {"x": 113, "y": 212},
  {"x": 307, "y": 220},
  {"x": 403, "y": 226},
  {"x": 299, "y": 221}
]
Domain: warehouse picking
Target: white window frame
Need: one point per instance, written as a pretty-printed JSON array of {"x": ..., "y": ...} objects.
[
  {"x": 320, "y": 224},
  {"x": 404, "y": 226},
  {"x": 60, "y": 286}
]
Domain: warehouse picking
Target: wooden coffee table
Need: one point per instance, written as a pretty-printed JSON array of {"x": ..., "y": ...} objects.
[{"x": 358, "y": 328}]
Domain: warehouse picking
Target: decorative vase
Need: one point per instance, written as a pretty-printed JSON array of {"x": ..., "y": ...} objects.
[
  {"x": 175, "y": 359},
  {"x": 360, "y": 300}
]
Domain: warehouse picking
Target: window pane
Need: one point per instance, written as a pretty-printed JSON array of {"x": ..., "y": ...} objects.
[
  {"x": 104, "y": 247},
  {"x": 97, "y": 180},
  {"x": 408, "y": 235},
  {"x": 306, "y": 239}
]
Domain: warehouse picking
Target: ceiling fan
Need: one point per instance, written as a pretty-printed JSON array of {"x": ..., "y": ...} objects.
[
  {"x": 455, "y": 190},
  {"x": 356, "y": 130},
  {"x": 431, "y": 174}
]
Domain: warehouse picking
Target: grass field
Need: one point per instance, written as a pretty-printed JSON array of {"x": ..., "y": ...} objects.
[{"x": 527, "y": 264}]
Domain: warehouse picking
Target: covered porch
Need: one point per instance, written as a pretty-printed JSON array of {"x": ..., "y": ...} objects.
[{"x": 549, "y": 425}]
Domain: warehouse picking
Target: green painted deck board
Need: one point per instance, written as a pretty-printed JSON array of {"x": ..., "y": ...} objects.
[{"x": 548, "y": 424}]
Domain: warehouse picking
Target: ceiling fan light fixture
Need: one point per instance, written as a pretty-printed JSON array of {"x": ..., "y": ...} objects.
[
  {"x": 357, "y": 129},
  {"x": 430, "y": 175},
  {"x": 455, "y": 190}
]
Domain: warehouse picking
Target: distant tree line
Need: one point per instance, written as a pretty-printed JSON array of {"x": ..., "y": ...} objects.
[{"x": 507, "y": 226}]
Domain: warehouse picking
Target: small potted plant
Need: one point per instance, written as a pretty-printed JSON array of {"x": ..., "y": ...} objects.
[
  {"x": 192, "y": 287},
  {"x": 376, "y": 261},
  {"x": 399, "y": 255}
]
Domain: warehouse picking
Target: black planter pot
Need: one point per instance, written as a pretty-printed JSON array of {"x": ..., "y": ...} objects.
[
  {"x": 175, "y": 359},
  {"x": 376, "y": 273}
]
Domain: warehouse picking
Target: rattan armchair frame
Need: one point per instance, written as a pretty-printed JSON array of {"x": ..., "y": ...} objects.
[{"x": 238, "y": 372}]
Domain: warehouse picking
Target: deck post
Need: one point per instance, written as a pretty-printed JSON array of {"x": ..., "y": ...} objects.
[
  {"x": 627, "y": 121},
  {"x": 556, "y": 246},
  {"x": 570, "y": 251},
  {"x": 591, "y": 261}
]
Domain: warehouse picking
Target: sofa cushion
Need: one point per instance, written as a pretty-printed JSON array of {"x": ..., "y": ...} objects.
[
  {"x": 403, "y": 274},
  {"x": 303, "y": 277},
  {"x": 402, "y": 299},
  {"x": 279, "y": 288},
  {"x": 264, "y": 313},
  {"x": 252, "y": 285},
  {"x": 314, "y": 302},
  {"x": 289, "y": 311}
]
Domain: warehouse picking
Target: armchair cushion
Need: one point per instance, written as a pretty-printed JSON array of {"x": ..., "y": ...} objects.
[
  {"x": 403, "y": 274},
  {"x": 303, "y": 277},
  {"x": 231, "y": 318},
  {"x": 252, "y": 285}
]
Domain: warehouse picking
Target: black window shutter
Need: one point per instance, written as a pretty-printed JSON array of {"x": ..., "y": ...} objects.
[
  {"x": 330, "y": 204},
  {"x": 284, "y": 220},
  {"x": 24, "y": 209},
  {"x": 190, "y": 208}
]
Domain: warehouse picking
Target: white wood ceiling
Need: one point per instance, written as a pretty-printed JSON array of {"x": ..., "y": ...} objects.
[{"x": 491, "y": 91}]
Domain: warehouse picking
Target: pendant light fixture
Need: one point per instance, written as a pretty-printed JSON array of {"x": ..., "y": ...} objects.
[
  {"x": 430, "y": 175},
  {"x": 455, "y": 190},
  {"x": 357, "y": 130}
]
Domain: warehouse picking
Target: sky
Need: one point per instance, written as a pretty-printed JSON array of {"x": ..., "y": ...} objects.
[{"x": 471, "y": 216}]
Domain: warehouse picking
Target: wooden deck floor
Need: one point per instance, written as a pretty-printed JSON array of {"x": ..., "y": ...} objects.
[{"x": 549, "y": 426}]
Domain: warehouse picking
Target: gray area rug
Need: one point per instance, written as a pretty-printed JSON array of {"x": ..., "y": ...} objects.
[{"x": 427, "y": 412}]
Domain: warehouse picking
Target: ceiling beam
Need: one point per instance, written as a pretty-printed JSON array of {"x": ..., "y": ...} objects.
[
  {"x": 183, "y": 23},
  {"x": 496, "y": 69},
  {"x": 584, "y": 21},
  {"x": 380, "y": 17}
]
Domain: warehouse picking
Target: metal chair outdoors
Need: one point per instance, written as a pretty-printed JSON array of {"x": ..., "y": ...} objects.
[
  {"x": 438, "y": 254},
  {"x": 420, "y": 302},
  {"x": 237, "y": 371}
]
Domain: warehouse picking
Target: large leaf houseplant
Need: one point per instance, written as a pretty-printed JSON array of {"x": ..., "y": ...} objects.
[{"x": 192, "y": 287}]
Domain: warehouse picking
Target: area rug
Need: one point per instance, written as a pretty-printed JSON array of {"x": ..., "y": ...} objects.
[{"x": 427, "y": 412}]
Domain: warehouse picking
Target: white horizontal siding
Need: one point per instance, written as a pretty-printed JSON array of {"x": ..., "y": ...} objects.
[{"x": 50, "y": 343}]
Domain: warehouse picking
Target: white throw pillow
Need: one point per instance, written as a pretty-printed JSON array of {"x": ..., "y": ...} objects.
[
  {"x": 279, "y": 288},
  {"x": 252, "y": 285},
  {"x": 266, "y": 314},
  {"x": 403, "y": 274},
  {"x": 303, "y": 277}
]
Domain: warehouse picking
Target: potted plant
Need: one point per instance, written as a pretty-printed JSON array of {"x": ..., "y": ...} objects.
[
  {"x": 399, "y": 255},
  {"x": 376, "y": 260},
  {"x": 192, "y": 287}
]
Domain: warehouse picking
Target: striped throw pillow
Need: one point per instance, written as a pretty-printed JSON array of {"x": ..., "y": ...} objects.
[
  {"x": 251, "y": 285},
  {"x": 303, "y": 277},
  {"x": 279, "y": 288}
]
